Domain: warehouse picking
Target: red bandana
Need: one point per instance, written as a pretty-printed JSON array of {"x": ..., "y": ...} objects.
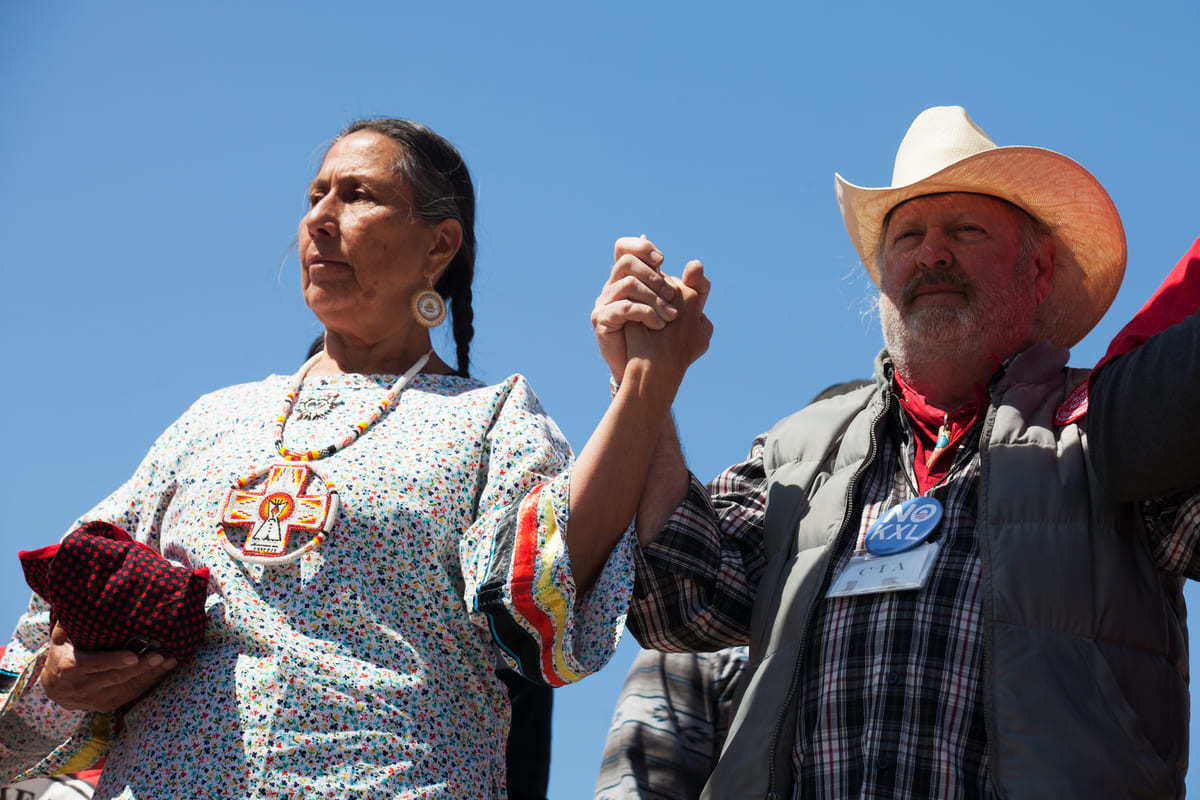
[{"x": 932, "y": 462}]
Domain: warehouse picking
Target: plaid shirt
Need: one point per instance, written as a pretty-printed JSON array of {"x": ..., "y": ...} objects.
[{"x": 891, "y": 701}]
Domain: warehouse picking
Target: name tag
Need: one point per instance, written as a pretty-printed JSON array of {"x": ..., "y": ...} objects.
[{"x": 871, "y": 574}]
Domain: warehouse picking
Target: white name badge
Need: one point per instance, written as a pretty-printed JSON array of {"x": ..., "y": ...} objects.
[{"x": 871, "y": 574}]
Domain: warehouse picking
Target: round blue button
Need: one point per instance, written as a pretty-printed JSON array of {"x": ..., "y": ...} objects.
[{"x": 904, "y": 526}]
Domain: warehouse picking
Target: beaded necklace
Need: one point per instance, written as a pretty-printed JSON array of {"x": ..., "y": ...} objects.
[{"x": 281, "y": 505}]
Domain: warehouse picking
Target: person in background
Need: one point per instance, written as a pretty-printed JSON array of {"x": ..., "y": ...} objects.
[
  {"x": 527, "y": 751},
  {"x": 669, "y": 724},
  {"x": 374, "y": 527},
  {"x": 1144, "y": 390},
  {"x": 941, "y": 595}
]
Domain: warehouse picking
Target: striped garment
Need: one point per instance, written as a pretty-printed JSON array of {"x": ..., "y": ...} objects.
[{"x": 669, "y": 724}]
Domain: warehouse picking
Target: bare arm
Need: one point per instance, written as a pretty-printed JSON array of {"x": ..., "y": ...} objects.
[
  {"x": 650, "y": 328},
  {"x": 666, "y": 484}
]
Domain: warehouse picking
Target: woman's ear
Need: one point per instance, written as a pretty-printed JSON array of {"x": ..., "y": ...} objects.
[{"x": 445, "y": 240}]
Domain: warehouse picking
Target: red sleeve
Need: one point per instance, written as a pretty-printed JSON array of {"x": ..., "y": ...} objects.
[{"x": 1174, "y": 301}]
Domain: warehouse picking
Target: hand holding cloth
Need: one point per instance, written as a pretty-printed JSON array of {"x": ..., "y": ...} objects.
[{"x": 109, "y": 592}]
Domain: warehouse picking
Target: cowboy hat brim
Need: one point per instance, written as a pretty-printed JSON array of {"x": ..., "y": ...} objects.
[{"x": 1090, "y": 239}]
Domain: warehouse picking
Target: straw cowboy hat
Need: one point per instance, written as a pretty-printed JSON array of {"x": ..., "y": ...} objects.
[{"x": 944, "y": 151}]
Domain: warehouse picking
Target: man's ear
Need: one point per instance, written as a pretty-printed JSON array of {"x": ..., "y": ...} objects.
[
  {"x": 1045, "y": 260},
  {"x": 445, "y": 239}
]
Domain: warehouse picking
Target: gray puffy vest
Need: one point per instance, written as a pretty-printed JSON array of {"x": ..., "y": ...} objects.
[{"x": 1085, "y": 663}]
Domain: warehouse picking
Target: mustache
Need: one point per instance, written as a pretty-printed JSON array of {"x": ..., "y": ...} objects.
[{"x": 934, "y": 277}]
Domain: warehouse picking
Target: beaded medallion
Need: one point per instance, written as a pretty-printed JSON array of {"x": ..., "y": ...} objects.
[
  {"x": 286, "y": 504},
  {"x": 277, "y": 509}
]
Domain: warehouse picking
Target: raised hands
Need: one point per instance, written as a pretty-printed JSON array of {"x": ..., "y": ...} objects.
[
  {"x": 671, "y": 330},
  {"x": 98, "y": 681},
  {"x": 650, "y": 328}
]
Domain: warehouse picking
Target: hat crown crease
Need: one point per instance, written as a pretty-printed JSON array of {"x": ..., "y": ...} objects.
[{"x": 938, "y": 138}]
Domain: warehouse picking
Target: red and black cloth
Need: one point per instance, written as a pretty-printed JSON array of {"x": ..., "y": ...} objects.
[{"x": 109, "y": 592}]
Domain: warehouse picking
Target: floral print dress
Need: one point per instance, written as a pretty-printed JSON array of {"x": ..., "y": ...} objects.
[{"x": 366, "y": 667}]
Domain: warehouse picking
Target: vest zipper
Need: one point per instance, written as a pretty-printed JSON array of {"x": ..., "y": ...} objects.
[
  {"x": 772, "y": 794},
  {"x": 989, "y": 724}
]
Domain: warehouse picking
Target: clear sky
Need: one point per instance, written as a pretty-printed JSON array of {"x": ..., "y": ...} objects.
[{"x": 155, "y": 159}]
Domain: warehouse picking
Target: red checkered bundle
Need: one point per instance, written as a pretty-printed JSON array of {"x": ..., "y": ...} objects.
[{"x": 109, "y": 592}]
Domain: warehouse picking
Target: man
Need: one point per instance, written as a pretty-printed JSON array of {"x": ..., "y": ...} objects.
[
  {"x": 940, "y": 597},
  {"x": 672, "y": 715}
]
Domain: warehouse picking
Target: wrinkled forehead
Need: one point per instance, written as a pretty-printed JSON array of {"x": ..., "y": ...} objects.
[{"x": 361, "y": 151}]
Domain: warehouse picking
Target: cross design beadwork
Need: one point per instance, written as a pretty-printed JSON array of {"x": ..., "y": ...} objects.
[{"x": 277, "y": 508}]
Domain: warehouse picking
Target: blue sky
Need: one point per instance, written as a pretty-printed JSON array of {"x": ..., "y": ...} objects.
[{"x": 156, "y": 156}]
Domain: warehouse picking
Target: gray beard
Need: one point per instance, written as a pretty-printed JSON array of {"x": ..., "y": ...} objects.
[
  {"x": 996, "y": 326},
  {"x": 934, "y": 334}
]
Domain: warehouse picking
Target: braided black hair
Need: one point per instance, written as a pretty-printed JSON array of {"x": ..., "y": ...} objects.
[{"x": 442, "y": 189}]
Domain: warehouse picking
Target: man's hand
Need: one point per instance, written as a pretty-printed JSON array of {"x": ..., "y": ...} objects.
[
  {"x": 635, "y": 292},
  {"x": 98, "y": 680}
]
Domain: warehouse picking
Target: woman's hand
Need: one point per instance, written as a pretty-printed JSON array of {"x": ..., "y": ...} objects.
[
  {"x": 632, "y": 464},
  {"x": 98, "y": 680},
  {"x": 635, "y": 292},
  {"x": 686, "y": 338}
]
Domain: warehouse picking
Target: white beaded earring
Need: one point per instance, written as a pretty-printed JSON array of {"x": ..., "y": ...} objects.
[{"x": 428, "y": 308}]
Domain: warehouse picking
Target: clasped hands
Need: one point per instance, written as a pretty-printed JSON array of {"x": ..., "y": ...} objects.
[{"x": 671, "y": 331}]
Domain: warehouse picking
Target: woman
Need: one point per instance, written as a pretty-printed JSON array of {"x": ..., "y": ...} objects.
[{"x": 349, "y": 649}]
